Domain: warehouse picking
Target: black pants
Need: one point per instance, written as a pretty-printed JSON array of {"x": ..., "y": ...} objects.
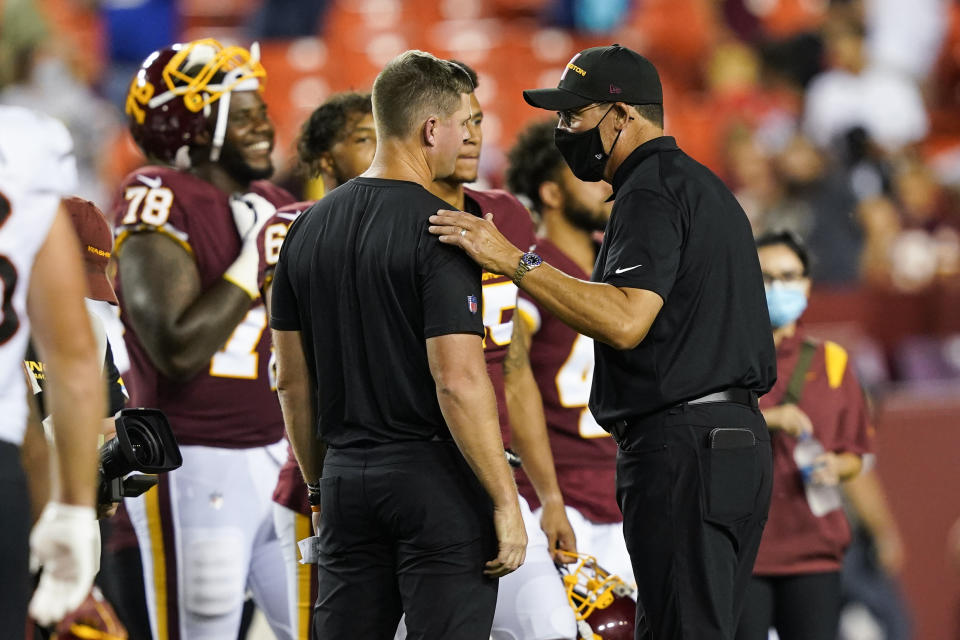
[
  {"x": 692, "y": 517},
  {"x": 799, "y": 607},
  {"x": 405, "y": 527},
  {"x": 15, "y": 584}
]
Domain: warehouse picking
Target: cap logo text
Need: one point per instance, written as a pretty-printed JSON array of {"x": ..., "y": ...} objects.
[
  {"x": 570, "y": 65},
  {"x": 615, "y": 89}
]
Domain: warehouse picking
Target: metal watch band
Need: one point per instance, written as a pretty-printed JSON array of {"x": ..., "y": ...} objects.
[
  {"x": 526, "y": 266},
  {"x": 521, "y": 271}
]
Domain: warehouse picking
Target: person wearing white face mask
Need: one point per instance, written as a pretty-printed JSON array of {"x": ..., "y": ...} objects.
[{"x": 796, "y": 578}]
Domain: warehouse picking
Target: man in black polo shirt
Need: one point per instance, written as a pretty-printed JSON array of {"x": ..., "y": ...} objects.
[
  {"x": 377, "y": 331},
  {"x": 677, "y": 312}
]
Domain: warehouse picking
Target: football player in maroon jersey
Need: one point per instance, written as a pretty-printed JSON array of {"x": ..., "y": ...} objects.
[
  {"x": 196, "y": 333},
  {"x": 571, "y": 212},
  {"x": 531, "y": 603},
  {"x": 336, "y": 144}
]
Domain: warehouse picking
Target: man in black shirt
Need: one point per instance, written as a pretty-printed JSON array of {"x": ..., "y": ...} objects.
[
  {"x": 377, "y": 331},
  {"x": 677, "y": 312}
]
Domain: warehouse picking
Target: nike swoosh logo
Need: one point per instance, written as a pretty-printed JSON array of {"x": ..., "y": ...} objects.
[
  {"x": 289, "y": 216},
  {"x": 619, "y": 271},
  {"x": 153, "y": 183}
]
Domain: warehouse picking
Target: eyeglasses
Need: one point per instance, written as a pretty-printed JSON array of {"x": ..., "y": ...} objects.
[
  {"x": 570, "y": 117},
  {"x": 788, "y": 277}
]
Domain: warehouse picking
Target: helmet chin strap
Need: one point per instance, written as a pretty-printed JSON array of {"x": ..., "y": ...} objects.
[
  {"x": 220, "y": 128},
  {"x": 223, "y": 111},
  {"x": 223, "y": 107}
]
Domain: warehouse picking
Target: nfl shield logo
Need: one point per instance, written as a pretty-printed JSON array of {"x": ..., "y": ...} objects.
[{"x": 472, "y": 305}]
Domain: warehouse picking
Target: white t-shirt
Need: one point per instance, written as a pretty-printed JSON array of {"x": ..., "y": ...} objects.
[
  {"x": 37, "y": 169},
  {"x": 885, "y": 103}
]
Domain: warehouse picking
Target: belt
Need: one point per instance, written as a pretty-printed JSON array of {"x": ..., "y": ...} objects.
[{"x": 740, "y": 396}]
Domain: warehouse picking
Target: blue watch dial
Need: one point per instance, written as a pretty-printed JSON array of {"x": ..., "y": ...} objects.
[{"x": 531, "y": 259}]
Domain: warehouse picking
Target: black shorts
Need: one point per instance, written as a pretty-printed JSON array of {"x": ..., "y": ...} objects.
[
  {"x": 405, "y": 528},
  {"x": 693, "y": 517},
  {"x": 15, "y": 584}
]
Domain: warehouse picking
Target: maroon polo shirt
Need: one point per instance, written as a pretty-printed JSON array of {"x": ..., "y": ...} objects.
[{"x": 794, "y": 540}]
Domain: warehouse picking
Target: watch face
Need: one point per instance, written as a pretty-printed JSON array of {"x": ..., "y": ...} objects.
[{"x": 532, "y": 260}]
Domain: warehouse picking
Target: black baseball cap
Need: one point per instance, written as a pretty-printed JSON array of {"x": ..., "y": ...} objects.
[{"x": 601, "y": 74}]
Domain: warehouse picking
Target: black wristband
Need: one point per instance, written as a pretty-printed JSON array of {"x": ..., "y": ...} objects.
[{"x": 313, "y": 494}]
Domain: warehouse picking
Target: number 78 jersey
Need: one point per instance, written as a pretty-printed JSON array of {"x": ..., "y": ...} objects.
[{"x": 229, "y": 403}]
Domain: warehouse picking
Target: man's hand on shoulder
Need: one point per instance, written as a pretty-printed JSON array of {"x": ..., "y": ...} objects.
[{"x": 479, "y": 237}]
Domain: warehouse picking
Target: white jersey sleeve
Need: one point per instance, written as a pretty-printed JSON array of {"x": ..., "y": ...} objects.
[{"x": 37, "y": 169}]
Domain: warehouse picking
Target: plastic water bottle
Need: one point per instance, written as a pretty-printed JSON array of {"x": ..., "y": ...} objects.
[{"x": 822, "y": 498}]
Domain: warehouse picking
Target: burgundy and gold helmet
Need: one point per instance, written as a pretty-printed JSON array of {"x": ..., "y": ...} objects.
[
  {"x": 172, "y": 95},
  {"x": 94, "y": 619},
  {"x": 600, "y": 600}
]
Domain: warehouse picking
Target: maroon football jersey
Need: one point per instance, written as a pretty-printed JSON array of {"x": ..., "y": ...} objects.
[
  {"x": 499, "y": 293},
  {"x": 230, "y": 404},
  {"x": 291, "y": 490},
  {"x": 271, "y": 238},
  {"x": 562, "y": 362}
]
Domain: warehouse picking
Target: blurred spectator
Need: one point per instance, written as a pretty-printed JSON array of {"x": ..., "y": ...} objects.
[
  {"x": 797, "y": 188},
  {"x": 42, "y": 78},
  {"x": 773, "y": 19},
  {"x": 928, "y": 250},
  {"x": 793, "y": 62},
  {"x": 135, "y": 29},
  {"x": 911, "y": 238},
  {"x": 593, "y": 16},
  {"x": 288, "y": 18},
  {"x": 753, "y": 180},
  {"x": 853, "y": 92},
  {"x": 944, "y": 98},
  {"x": 905, "y": 36},
  {"x": 875, "y": 558},
  {"x": 796, "y": 578},
  {"x": 881, "y": 226},
  {"x": 823, "y": 185},
  {"x": 22, "y": 30}
]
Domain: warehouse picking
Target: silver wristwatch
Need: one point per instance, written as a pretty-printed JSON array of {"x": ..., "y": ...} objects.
[{"x": 528, "y": 261}]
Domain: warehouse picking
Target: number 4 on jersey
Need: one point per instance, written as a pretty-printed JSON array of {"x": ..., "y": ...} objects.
[{"x": 573, "y": 385}]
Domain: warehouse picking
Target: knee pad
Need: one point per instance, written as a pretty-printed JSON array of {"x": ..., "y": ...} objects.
[{"x": 214, "y": 571}]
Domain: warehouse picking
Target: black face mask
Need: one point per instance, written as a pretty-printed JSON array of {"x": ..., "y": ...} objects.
[{"x": 584, "y": 152}]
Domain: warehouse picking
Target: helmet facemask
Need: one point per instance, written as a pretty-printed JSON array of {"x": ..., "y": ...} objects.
[{"x": 193, "y": 77}]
